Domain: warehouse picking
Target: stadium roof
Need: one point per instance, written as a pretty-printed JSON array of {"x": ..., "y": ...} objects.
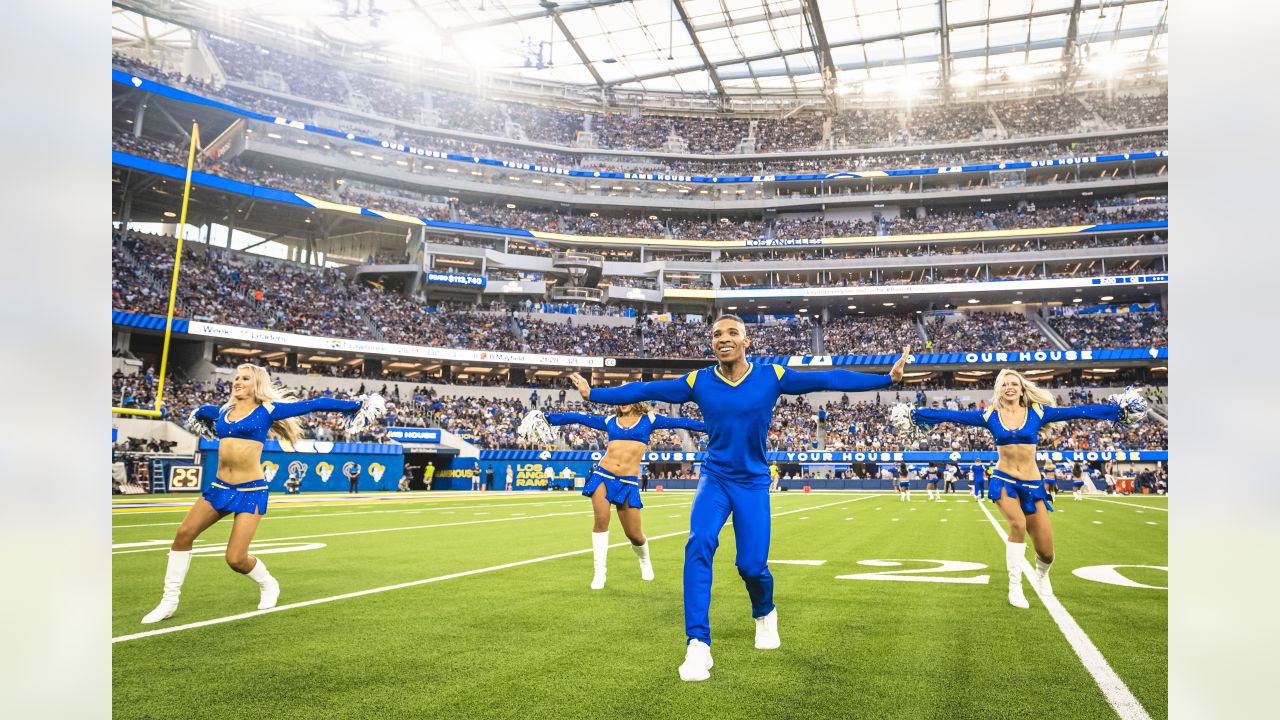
[{"x": 728, "y": 47}]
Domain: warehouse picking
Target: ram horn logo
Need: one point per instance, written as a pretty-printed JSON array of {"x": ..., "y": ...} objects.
[
  {"x": 544, "y": 455},
  {"x": 376, "y": 470},
  {"x": 297, "y": 468},
  {"x": 955, "y": 456},
  {"x": 324, "y": 470},
  {"x": 269, "y": 470}
]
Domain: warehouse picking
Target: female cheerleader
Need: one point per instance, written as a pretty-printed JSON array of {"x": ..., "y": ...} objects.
[
  {"x": 615, "y": 481},
  {"x": 241, "y": 428},
  {"x": 904, "y": 483},
  {"x": 1077, "y": 481},
  {"x": 1050, "y": 474},
  {"x": 931, "y": 482},
  {"x": 1015, "y": 418}
]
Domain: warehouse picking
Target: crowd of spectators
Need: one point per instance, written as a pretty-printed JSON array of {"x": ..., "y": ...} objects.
[
  {"x": 237, "y": 288},
  {"x": 983, "y": 331},
  {"x": 799, "y": 423},
  {"x": 1051, "y": 115},
  {"x": 870, "y": 335},
  {"x": 1112, "y": 330},
  {"x": 1134, "y": 110},
  {"x": 864, "y": 127},
  {"x": 230, "y": 288}
]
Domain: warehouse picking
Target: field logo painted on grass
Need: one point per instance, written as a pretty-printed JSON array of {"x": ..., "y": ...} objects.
[
  {"x": 1109, "y": 575},
  {"x": 918, "y": 574}
]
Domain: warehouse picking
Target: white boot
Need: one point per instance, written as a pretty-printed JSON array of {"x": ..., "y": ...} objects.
[
  {"x": 767, "y": 631},
  {"x": 1015, "y": 555},
  {"x": 1042, "y": 576},
  {"x": 174, "y": 574},
  {"x": 697, "y": 662},
  {"x": 599, "y": 552},
  {"x": 646, "y": 567},
  {"x": 908, "y": 496},
  {"x": 270, "y": 587}
]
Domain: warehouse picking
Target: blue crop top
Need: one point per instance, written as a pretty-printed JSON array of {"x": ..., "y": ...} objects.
[
  {"x": 1029, "y": 433},
  {"x": 639, "y": 432},
  {"x": 255, "y": 425}
]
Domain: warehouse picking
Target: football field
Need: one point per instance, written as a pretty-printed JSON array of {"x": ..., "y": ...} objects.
[{"x": 477, "y": 606}]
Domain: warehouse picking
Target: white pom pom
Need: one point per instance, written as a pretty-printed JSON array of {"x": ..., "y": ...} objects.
[
  {"x": 1133, "y": 405},
  {"x": 200, "y": 426},
  {"x": 535, "y": 429},
  {"x": 372, "y": 409},
  {"x": 900, "y": 416}
]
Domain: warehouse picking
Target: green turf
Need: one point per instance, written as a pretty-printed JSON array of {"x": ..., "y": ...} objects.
[{"x": 534, "y": 641}]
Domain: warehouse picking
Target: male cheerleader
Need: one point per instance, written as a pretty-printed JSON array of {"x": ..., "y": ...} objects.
[{"x": 737, "y": 405}]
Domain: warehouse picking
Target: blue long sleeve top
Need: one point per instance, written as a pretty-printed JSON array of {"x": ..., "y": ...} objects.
[
  {"x": 255, "y": 425},
  {"x": 738, "y": 414},
  {"x": 640, "y": 432},
  {"x": 1037, "y": 416}
]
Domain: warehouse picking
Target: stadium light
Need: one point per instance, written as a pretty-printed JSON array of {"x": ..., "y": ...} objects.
[
  {"x": 1108, "y": 64},
  {"x": 1106, "y": 298}
]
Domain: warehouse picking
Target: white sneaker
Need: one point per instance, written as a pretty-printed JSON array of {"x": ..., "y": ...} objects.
[
  {"x": 697, "y": 662},
  {"x": 597, "y": 580},
  {"x": 163, "y": 611},
  {"x": 270, "y": 594},
  {"x": 646, "y": 569},
  {"x": 767, "y": 631}
]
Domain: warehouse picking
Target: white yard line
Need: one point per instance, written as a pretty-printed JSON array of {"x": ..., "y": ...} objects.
[
  {"x": 413, "y": 583},
  {"x": 1132, "y": 505},
  {"x": 586, "y": 511},
  {"x": 359, "y": 512},
  {"x": 1122, "y": 700},
  {"x": 280, "y": 502}
]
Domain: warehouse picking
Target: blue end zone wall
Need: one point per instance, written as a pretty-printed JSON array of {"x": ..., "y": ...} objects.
[{"x": 380, "y": 466}]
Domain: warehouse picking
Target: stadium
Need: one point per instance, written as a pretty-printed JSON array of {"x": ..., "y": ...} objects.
[{"x": 449, "y": 231}]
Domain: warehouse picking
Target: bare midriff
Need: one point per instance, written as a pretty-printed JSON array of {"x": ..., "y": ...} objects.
[
  {"x": 1018, "y": 461},
  {"x": 239, "y": 460},
  {"x": 622, "y": 457}
]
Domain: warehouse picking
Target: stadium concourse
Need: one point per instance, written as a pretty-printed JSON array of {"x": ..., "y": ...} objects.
[{"x": 369, "y": 217}]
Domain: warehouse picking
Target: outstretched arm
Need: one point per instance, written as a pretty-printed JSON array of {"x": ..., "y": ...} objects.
[
  {"x": 1083, "y": 412},
  {"x": 662, "y": 422},
  {"x": 595, "y": 422},
  {"x": 798, "y": 383},
  {"x": 929, "y": 416},
  {"x": 672, "y": 391},
  {"x": 283, "y": 410},
  {"x": 207, "y": 412}
]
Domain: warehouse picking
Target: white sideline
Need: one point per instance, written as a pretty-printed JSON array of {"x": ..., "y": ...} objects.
[
  {"x": 356, "y": 512},
  {"x": 409, "y": 527},
  {"x": 414, "y": 583},
  {"x": 1117, "y": 502},
  {"x": 1122, "y": 700}
]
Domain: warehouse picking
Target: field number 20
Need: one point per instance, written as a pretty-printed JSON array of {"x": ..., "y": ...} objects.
[{"x": 1106, "y": 574}]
